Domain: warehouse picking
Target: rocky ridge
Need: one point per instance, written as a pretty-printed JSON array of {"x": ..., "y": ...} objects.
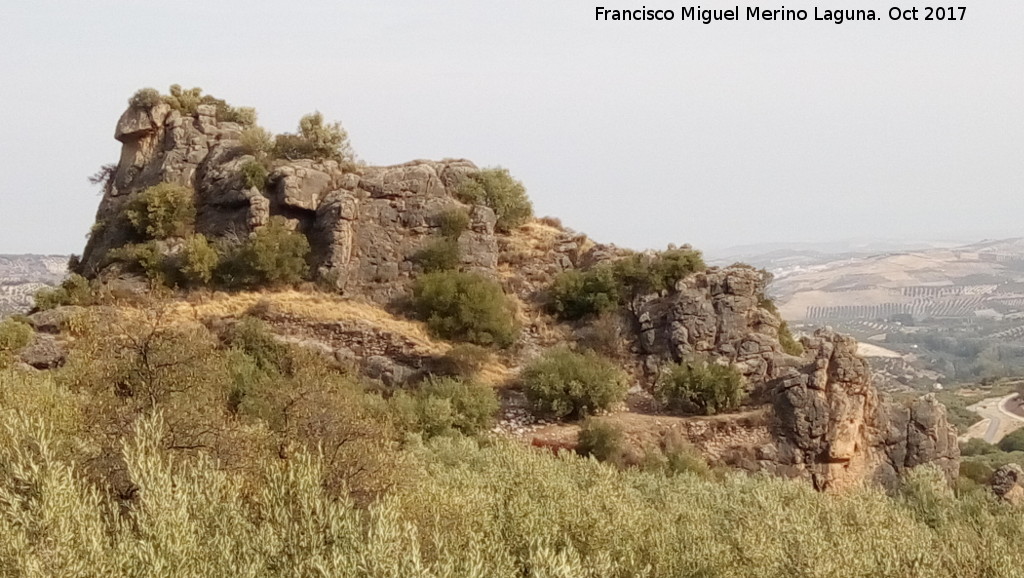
[{"x": 827, "y": 423}]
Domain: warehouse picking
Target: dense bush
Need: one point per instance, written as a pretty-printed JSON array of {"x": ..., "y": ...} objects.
[
  {"x": 254, "y": 338},
  {"x": 315, "y": 140},
  {"x": 604, "y": 335},
  {"x": 145, "y": 98},
  {"x": 257, "y": 141},
  {"x": 640, "y": 273},
  {"x": 1013, "y": 442},
  {"x": 439, "y": 255},
  {"x": 254, "y": 175},
  {"x": 565, "y": 384},
  {"x": 681, "y": 457},
  {"x": 198, "y": 261},
  {"x": 602, "y": 440},
  {"x": 700, "y": 386},
  {"x": 74, "y": 290},
  {"x": 446, "y": 405},
  {"x": 187, "y": 101},
  {"x": 977, "y": 471},
  {"x": 497, "y": 189},
  {"x": 464, "y": 360},
  {"x": 453, "y": 223},
  {"x": 977, "y": 447},
  {"x": 192, "y": 265},
  {"x": 465, "y": 307},
  {"x": 13, "y": 336},
  {"x": 274, "y": 255},
  {"x": 162, "y": 211},
  {"x": 576, "y": 294},
  {"x": 149, "y": 258}
]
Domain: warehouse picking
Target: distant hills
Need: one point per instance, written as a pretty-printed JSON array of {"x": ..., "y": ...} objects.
[
  {"x": 22, "y": 275},
  {"x": 953, "y": 309}
]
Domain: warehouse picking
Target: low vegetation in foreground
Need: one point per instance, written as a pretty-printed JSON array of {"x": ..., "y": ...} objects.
[{"x": 167, "y": 448}]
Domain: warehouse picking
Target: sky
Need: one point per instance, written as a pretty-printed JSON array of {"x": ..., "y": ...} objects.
[{"x": 637, "y": 133}]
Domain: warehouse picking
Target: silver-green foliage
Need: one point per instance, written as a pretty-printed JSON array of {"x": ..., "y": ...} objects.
[
  {"x": 562, "y": 383},
  {"x": 497, "y": 189},
  {"x": 162, "y": 211},
  {"x": 701, "y": 386},
  {"x": 492, "y": 510}
]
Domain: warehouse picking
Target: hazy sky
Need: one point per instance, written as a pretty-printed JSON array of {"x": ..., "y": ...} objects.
[{"x": 638, "y": 133}]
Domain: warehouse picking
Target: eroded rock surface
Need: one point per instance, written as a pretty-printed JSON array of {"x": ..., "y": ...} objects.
[
  {"x": 825, "y": 420},
  {"x": 364, "y": 224}
]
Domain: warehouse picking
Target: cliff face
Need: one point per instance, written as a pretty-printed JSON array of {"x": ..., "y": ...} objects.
[
  {"x": 363, "y": 225},
  {"x": 827, "y": 422}
]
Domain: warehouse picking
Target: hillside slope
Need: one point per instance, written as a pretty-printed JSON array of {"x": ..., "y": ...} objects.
[{"x": 368, "y": 227}]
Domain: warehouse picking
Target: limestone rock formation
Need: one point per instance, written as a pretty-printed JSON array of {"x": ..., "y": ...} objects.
[
  {"x": 833, "y": 428},
  {"x": 713, "y": 313},
  {"x": 1008, "y": 483},
  {"x": 363, "y": 225},
  {"x": 825, "y": 420},
  {"x": 829, "y": 423}
]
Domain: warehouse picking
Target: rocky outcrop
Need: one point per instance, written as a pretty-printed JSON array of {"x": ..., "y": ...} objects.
[
  {"x": 716, "y": 313},
  {"x": 825, "y": 420},
  {"x": 364, "y": 224},
  {"x": 44, "y": 352},
  {"x": 1008, "y": 483},
  {"x": 833, "y": 428}
]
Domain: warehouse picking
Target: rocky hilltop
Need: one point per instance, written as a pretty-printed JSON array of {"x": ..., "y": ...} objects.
[{"x": 821, "y": 418}]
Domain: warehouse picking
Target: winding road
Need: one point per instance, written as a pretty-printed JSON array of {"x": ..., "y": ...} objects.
[{"x": 1000, "y": 420}]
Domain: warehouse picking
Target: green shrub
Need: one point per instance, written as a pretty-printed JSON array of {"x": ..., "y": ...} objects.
[
  {"x": 453, "y": 223},
  {"x": 14, "y": 335},
  {"x": 145, "y": 98},
  {"x": 254, "y": 175},
  {"x": 565, "y": 384},
  {"x": 448, "y": 404},
  {"x": 464, "y": 360},
  {"x": 576, "y": 294},
  {"x": 465, "y": 307},
  {"x": 789, "y": 343},
  {"x": 274, "y": 255},
  {"x": 603, "y": 334},
  {"x": 162, "y": 211},
  {"x": 257, "y": 141},
  {"x": 243, "y": 115},
  {"x": 977, "y": 447},
  {"x": 700, "y": 386},
  {"x": 681, "y": 457},
  {"x": 601, "y": 439},
  {"x": 186, "y": 101},
  {"x": 315, "y": 140},
  {"x": 497, "y": 189},
  {"x": 254, "y": 338},
  {"x": 1014, "y": 442},
  {"x": 649, "y": 273},
  {"x": 976, "y": 471},
  {"x": 74, "y": 290},
  {"x": 439, "y": 255},
  {"x": 147, "y": 258},
  {"x": 199, "y": 260}
]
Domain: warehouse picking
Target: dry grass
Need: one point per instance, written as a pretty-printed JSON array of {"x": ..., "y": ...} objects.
[{"x": 314, "y": 307}]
